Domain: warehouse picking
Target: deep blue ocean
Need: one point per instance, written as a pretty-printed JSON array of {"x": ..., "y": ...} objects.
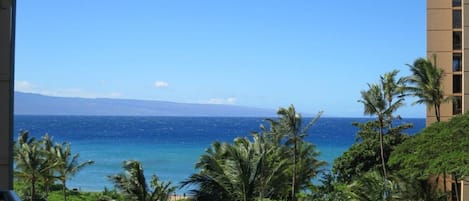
[{"x": 167, "y": 146}]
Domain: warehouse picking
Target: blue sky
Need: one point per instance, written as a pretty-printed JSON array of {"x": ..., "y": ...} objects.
[{"x": 315, "y": 54}]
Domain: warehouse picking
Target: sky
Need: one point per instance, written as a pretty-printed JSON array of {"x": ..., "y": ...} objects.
[{"x": 315, "y": 54}]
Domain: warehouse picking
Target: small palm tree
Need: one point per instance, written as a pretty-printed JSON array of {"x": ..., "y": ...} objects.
[
  {"x": 133, "y": 183},
  {"x": 67, "y": 164},
  {"x": 212, "y": 180},
  {"x": 242, "y": 171},
  {"x": 426, "y": 81}
]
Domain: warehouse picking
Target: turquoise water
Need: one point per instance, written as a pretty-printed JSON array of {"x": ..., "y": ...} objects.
[{"x": 167, "y": 146}]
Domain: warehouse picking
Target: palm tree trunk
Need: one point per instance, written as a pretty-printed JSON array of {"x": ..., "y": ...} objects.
[
  {"x": 390, "y": 116},
  {"x": 381, "y": 136},
  {"x": 293, "y": 191},
  {"x": 64, "y": 190},
  {"x": 33, "y": 187},
  {"x": 444, "y": 183},
  {"x": 437, "y": 112}
]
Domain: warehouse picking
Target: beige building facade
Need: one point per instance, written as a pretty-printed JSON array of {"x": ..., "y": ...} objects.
[
  {"x": 448, "y": 39},
  {"x": 447, "y": 29}
]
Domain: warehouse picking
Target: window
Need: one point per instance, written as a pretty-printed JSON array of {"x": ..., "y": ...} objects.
[
  {"x": 457, "y": 83},
  {"x": 457, "y": 105},
  {"x": 457, "y": 40},
  {"x": 457, "y": 62},
  {"x": 457, "y": 19},
  {"x": 456, "y": 3}
]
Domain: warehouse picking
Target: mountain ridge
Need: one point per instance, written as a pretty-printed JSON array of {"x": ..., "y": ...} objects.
[{"x": 37, "y": 104}]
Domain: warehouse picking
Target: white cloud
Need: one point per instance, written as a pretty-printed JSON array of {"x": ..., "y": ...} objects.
[
  {"x": 114, "y": 94},
  {"x": 224, "y": 101},
  {"x": 161, "y": 84},
  {"x": 24, "y": 86},
  {"x": 28, "y": 87}
]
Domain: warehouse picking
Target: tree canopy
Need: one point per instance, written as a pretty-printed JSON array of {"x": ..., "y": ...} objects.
[
  {"x": 364, "y": 155},
  {"x": 441, "y": 147}
]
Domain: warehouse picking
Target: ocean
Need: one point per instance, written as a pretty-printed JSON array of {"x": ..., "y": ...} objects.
[{"x": 168, "y": 146}]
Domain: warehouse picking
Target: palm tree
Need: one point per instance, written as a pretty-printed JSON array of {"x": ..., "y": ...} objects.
[
  {"x": 308, "y": 165},
  {"x": 68, "y": 164},
  {"x": 392, "y": 88},
  {"x": 161, "y": 190},
  {"x": 213, "y": 183},
  {"x": 31, "y": 161},
  {"x": 371, "y": 187},
  {"x": 375, "y": 103},
  {"x": 133, "y": 183},
  {"x": 290, "y": 124},
  {"x": 49, "y": 178},
  {"x": 257, "y": 169},
  {"x": 242, "y": 171},
  {"x": 427, "y": 87}
]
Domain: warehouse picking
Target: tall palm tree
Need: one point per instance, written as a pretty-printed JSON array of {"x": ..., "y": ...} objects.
[
  {"x": 375, "y": 103},
  {"x": 427, "y": 87},
  {"x": 68, "y": 164},
  {"x": 426, "y": 80},
  {"x": 290, "y": 124}
]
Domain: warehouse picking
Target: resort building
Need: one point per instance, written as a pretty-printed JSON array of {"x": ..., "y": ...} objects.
[
  {"x": 447, "y": 27},
  {"x": 448, "y": 40}
]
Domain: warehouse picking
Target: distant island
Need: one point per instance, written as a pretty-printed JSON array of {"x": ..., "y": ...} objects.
[{"x": 36, "y": 104}]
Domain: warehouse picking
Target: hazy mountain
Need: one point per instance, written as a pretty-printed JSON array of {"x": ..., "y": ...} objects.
[{"x": 35, "y": 104}]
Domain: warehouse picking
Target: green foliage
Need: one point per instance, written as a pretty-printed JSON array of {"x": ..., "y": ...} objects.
[
  {"x": 108, "y": 195},
  {"x": 332, "y": 190},
  {"x": 371, "y": 186},
  {"x": 441, "y": 147},
  {"x": 356, "y": 172},
  {"x": 40, "y": 163},
  {"x": 79, "y": 196},
  {"x": 67, "y": 164},
  {"x": 364, "y": 155},
  {"x": 378, "y": 100},
  {"x": 133, "y": 184},
  {"x": 289, "y": 126},
  {"x": 239, "y": 171},
  {"x": 33, "y": 165}
]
